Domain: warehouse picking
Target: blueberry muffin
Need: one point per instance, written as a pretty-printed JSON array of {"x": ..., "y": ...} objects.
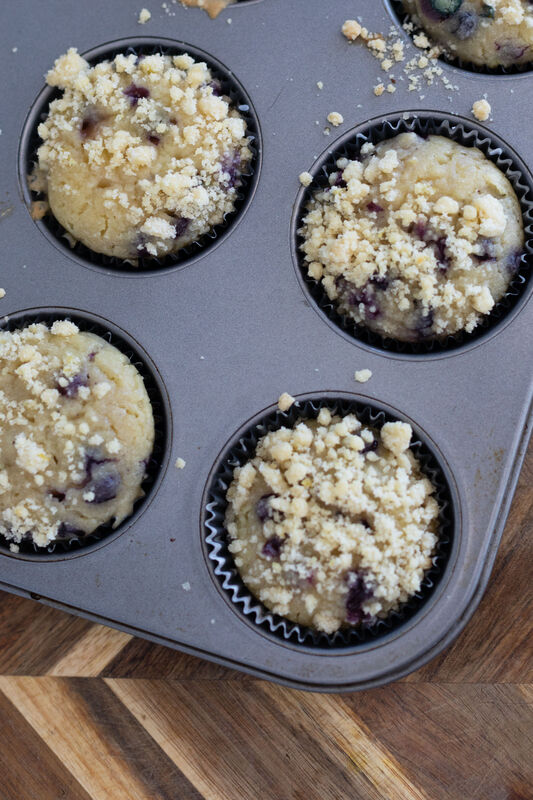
[
  {"x": 141, "y": 155},
  {"x": 332, "y": 523},
  {"x": 419, "y": 239},
  {"x": 489, "y": 33},
  {"x": 77, "y": 433}
]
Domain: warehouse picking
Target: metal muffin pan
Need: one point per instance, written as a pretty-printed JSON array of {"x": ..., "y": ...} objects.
[{"x": 230, "y": 331}]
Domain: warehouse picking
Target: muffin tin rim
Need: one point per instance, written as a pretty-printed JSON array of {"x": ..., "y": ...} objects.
[
  {"x": 143, "y": 503},
  {"x": 298, "y": 208},
  {"x": 456, "y": 533},
  {"x": 31, "y": 122}
]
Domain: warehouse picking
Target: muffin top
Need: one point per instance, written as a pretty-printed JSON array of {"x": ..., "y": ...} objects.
[
  {"x": 332, "y": 523},
  {"x": 141, "y": 155},
  {"x": 76, "y": 435},
  {"x": 488, "y": 33},
  {"x": 416, "y": 240}
]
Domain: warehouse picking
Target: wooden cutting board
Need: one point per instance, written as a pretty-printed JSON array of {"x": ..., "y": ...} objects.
[{"x": 89, "y": 712}]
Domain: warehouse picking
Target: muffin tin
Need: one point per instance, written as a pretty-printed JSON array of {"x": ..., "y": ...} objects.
[{"x": 220, "y": 338}]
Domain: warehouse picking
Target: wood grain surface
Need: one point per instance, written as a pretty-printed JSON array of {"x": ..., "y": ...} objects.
[{"x": 89, "y": 712}]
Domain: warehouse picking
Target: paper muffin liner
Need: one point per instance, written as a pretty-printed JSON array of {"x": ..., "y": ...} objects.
[
  {"x": 465, "y": 133},
  {"x": 447, "y": 57},
  {"x": 229, "y": 86},
  {"x": 72, "y": 544},
  {"x": 221, "y": 561}
]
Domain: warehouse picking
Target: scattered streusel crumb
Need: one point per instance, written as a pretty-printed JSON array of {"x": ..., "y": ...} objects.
[
  {"x": 363, "y": 375},
  {"x": 379, "y": 89},
  {"x": 144, "y": 16},
  {"x": 335, "y": 118},
  {"x": 2, "y": 293},
  {"x": 481, "y": 110},
  {"x": 320, "y": 85},
  {"x": 352, "y": 29},
  {"x": 305, "y": 178},
  {"x": 285, "y": 401},
  {"x": 186, "y": 586},
  {"x": 180, "y": 463}
]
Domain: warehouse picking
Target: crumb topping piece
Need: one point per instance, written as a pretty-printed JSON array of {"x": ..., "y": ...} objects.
[
  {"x": 140, "y": 156},
  {"x": 363, "y": 375},
  {"x": 332, "y": 523},
  {"x": 418, "y": 239},
  {"x": 285, "y": 401},
  {"x": 305, "y": 178},
  {"x": 481, "y": 110},
  {"x": 82, "y": 465},
  {"x": 144, "y": 16},
  {"x": 335, "y": 118}
]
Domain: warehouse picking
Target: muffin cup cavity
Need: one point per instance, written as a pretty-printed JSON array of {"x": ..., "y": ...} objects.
[
  {"x": 144, "y": 265},
  {"x": 402, "y": 16},
  {"x": 425, "y": 124},
  {"x": 71, "y": 543},
  {"x": 241, "y": 449}
]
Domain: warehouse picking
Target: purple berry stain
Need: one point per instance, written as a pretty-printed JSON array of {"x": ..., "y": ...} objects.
[
  {"x": 358, "y": 594},
  {"x": 181, "y": 224},
  {"x": 272, "y": 548},
  {"x": 263, "y": 507},
  {"x": 230, "y": 166},
  {"x": 464, "y": 24},
  {"x": 370, "y": 447},
  {"x": 136, "y": 93},
  {"x": 89, "y": 124},
  {"x": 339, "y": 180},
  {"x": 73, "y": 386},
  {"x": 153, "y": 138},
  {"x": 510, "y": 50},
  {"x": 105, "y": 487},
  {"x": 439, "y": 248},
  {"x": 375, "y": 207},
  {"x": 425, "y": 323},
  {"x": 380, "y": 282},
  {"x": 68, "y": 531}
]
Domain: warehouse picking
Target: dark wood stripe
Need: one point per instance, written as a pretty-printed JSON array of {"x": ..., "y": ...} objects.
[
  {"x": 28, "y": 768},
  {"x": 34, "y": 637},
  {"x": 133, "y": 745},
  {"x": 141, "y": 659}
]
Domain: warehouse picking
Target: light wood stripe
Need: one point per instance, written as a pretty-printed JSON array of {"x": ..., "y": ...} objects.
[
  {"x": 91, "y": 654},
  {"x": 73, "y": 736},
  {"x": 325, "y": 745},
  {"x": 340, "y": 725}
]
